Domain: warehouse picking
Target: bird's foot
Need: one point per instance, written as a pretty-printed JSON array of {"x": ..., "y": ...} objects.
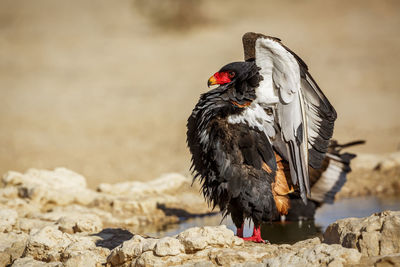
[{"x": 256, "y": 239}]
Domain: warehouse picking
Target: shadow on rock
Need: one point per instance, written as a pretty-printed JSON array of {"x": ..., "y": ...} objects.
[
  {"x": 112, "y": 237},
  {"x": 183, "y": 214}
]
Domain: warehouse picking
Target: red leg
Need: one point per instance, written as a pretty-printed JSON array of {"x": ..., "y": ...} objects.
[
  {"x": 256, "y": 237},
  {"x": 239, "y": 231}
]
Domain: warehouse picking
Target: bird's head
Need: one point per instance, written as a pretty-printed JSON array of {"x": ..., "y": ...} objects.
[
  {"x": 231, "y": 72},
  {"x": 238, "y": 81}
]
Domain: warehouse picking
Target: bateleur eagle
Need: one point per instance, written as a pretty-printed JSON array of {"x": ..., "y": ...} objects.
[{"x": 255, "y": 138}]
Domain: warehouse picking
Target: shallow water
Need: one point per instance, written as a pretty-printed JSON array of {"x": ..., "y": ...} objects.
[{"x": 291, "y": 232}]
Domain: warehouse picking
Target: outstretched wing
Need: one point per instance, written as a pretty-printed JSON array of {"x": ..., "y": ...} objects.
[
  {"x": 304, "y": 118},
  {"x": 320, "y": 115}
]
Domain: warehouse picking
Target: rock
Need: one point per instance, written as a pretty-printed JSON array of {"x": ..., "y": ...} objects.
[
  {"x": 30, "y": 262},
  {"x": 42, "y": 197},
  {"x": 376, "y": 162},
  {"x": 319, "y": 255},
  {"x": 22, "y": 206},
  {"x": 200, "y": 264},
  {"x": 149, "y": 244},
  {"x": 148, "y": 258},
  {"x": 84, "y": 252},
  {"x": 376, "y": 235},
  {"x": 12, "y": 246},
  {"x": 373, "y": 175},
  {"x": 80, "y": 223},
  {"x": 227, "y": 257},
  {"x": 60, "y": 186},
  {"x": 47, "y": 244},
  {"x": 86, "y": 258},
  {"x": 387, "y": 261},
  {"x": 81, "y": 244},
  {"x": 126, "y": 252},
  {"x": 167, "y": 182},
  {"x": 366, "y": 161},
  {"x": 8, "y": 218},
  {"x": 168, "y": 246},
  {"x": 198, "y": 238},
  {"x": 8, "y": 192},
  {"x": 27, "y": 224},
  {"x": 47, "y": 220}
]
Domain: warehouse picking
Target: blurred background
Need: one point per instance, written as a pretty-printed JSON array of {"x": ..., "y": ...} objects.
[{"x": 105, "y": 87}]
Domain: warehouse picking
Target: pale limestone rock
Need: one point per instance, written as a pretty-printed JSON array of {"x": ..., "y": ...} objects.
[
  {"x": 80, "y": 223},
  {"x": 83, "y": 243},
  {"x": 366, "y": 161},
  {"x": 24, "y": 207},
  {"x": 72, "y": 211},
  {"x": 386, "y": 261},
  {"x": 8, "y": 219},
  {"x": 149, "y": 244},
  {"x": 139, "y": 206},
  {"x": 47, "y": 243},
  {"x": 198, "y": 238},
  {"x": 376, "y": 235},
  {"x": 30, "y": 262},
  {"x": 12, "y": 246},
  {"x": 168, "y": 246},
  {"x": 84, "y": 258},
  {"x": 205, "y": 263},
  {"x": 126, "y": 251},
  {"x": 149, "y": 259},
  {"x": 392, "y": 161},
  {"x": 319, "y": 255},
  {"x": 27, "y": 224},
  {"x": 8, "y": 192},
  {"x": 375, "y": 161},
  {"x": 167, "y": 182},
  {"x": 60, "y": 186},
  {"x": 227, "y": 257},
  {"x": 84, "y": 252},
  {"x": 305, "y": 243},
  {"x": 58, "y": 179}
]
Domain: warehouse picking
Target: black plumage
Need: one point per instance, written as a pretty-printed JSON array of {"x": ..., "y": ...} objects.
[
  {"x": 229, "y": 159},
  {"x": 254, "y": 141}
]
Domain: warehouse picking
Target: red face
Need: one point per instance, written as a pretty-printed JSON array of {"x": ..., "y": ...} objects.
[{"x": 222, "y": 77}]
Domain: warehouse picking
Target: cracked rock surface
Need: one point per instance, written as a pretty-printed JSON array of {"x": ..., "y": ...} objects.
[
  {"x": 203, "y": 246},
  {"x": 376, "y": 235},
  {"x": 50, "y": 218}
]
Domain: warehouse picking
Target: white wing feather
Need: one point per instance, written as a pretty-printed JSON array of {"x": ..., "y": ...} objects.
[{"x": 281, "y": 89}]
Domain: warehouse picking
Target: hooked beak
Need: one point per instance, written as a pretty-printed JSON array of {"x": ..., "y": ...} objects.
[{"x": 212, "y": 81}]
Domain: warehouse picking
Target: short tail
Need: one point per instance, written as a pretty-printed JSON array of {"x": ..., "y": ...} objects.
[{"x": 333, "y": 176}]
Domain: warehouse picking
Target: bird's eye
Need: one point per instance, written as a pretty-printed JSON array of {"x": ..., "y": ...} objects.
[{"x": 231, "y": 74}]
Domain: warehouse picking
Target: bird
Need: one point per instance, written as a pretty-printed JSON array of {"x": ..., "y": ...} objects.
[{"x": 255, "y": 137}]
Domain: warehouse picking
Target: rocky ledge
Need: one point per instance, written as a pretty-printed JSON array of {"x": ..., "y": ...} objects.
[
  {"x": 39, "y": 198},
  {"x": 50, "y": 218},
  {"x": 363, "y": 242}
]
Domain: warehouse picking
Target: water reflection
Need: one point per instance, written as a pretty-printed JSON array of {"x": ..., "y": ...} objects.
[
  {"x": 354, "y": 207},
  {"x": 291, "y": 232}
]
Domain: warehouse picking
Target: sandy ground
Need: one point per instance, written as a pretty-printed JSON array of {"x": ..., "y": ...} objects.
[{"x": 97, "y": 88}]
